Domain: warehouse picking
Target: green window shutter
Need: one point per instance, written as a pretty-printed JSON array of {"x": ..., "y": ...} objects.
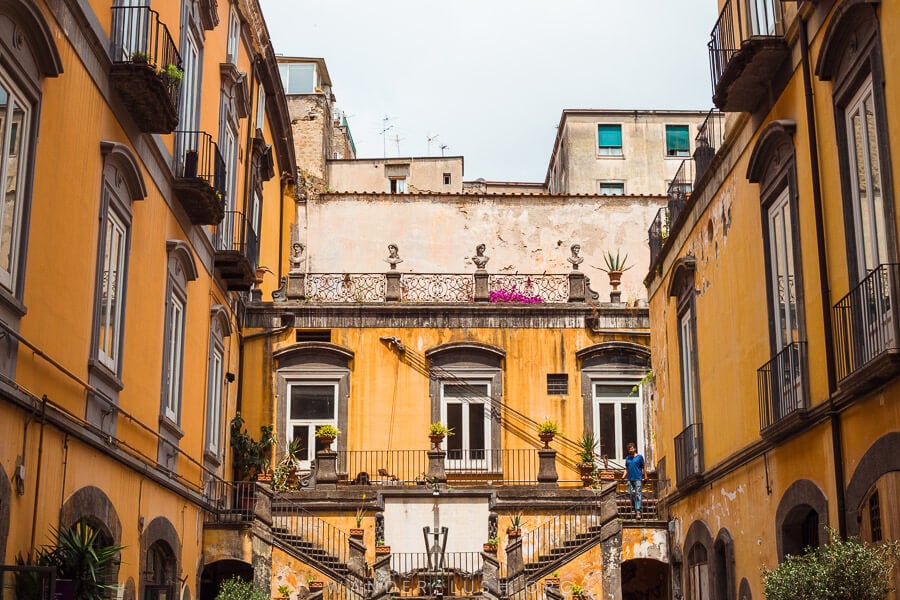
[
  {"x": 609, "y": 136},
  {"x": 678, "y": 142}
]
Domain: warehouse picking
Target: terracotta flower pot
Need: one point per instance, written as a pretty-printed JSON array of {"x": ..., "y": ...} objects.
[
  {"x": 382, "y": 549},
  {"x": 357, "y": 532},
  {"x": 490, "y": 547},
  {"x": 513, "y": 531},
  {"x": 546, "y": 438},
  {"x": 326, "y": 441},
  {"x": 615, "y": 278},
  {"x": 436, "y": 440},
  {"x": 316, "y": 585}
]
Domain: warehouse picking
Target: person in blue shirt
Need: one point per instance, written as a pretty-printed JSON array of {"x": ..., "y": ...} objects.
[{"x": 634, "y": 472}]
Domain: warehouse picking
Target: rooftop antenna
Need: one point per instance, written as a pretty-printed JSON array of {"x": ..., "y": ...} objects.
[
  {"x": 383, "y": 135},
  {"x": 443, "y": 147},
  {"x": 430, "y": 139},
  {"x": 397, "y": 140}
]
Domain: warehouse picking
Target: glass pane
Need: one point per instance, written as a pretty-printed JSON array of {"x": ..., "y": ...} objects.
[
  {"x": 465, "y": 390},
  {"x": 301, "y": 434},
  {"x": 606, "y": 413},
  {"x": 476, "y": 428},
  {"x": 629, "y": 426},
  {"x": 12, "y": 151},
  {"x": 312, "y": 401},
  {"x": 455, "y": 422},
  {"x": 875, "y": 180},
  {"x": 864, "y": 225},
  {"x": 300, "y": 79},
  {"x": 613, "y": 390}
]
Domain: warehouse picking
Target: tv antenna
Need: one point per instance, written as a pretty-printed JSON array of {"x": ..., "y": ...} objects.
[
  {"x": 397, "y": 139},
  {"x": 430, "y": 139},
  {"x": 385, "y": 129},
  {"x": 443, "y": 147}
]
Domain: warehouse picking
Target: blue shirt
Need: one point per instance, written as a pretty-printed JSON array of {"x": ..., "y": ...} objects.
[{"x": 634, "y": 467}]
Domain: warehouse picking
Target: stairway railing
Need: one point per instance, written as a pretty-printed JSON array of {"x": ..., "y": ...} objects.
[
  {"x": 323, "y": 544},
  {"x": 554, "y": 539}
]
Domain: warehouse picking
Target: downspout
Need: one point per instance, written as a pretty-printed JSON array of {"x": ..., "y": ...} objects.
[
  {"x": 825, "y": 292},
  {"x": 37, "y": 480}
]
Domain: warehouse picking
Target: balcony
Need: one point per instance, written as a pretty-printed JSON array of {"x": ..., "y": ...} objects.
[
  {"x": 237, "y": 251},
  {"x": 867, "y": 331},
  {"x": 199, "y": 177},
  {"x": 689, "y": 455},
  {"x": 146, "y": 70},
  {"x": 782, "y": 389},
  {"x": 746, "y": 47}
]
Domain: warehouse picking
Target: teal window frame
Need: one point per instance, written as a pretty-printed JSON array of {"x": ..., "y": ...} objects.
[
  {"x": 678, "y": 141},
  {"x": 609, "y": 139}
]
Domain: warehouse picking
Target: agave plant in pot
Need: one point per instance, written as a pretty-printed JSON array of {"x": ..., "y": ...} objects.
[
  {"x": 587, "y": 452},
  {"x": 615, "y": 266}
]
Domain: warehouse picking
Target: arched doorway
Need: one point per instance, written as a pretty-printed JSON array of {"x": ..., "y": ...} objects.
[
  {"x": 645, "y": 579},
  {"x": 217, "y": 572}
]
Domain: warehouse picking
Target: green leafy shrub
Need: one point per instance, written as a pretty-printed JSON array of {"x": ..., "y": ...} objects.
[
  {"x": 238, "y": 589},
  {"x": 840, "y": 570}
]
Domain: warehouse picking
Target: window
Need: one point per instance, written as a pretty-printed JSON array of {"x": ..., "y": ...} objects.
[
  {"x": 15, "y": 166},
  {"x": 698, "y": 573},
  {"x": 688, "y": 443},
  {"x": 298, "y": 78},
  {"x": 869, "y": 219},
  {"x": 311, "y": 404},
  {"x": 112, "y": 286},
  {"x": 609, "y": 140},
  {"x": 188, "y": 97},
  {"x": 313, "y": 335},
  {"x": 686, "y": 349},
  {"x": 446, "y": 178},
  {"x": 174, "y": 356},
  {"x": 260, "y": 107},
  {"x": 397, "y": 185},
  {"x": 219, "y": 328},
  {"x": 159, "y": 578},
  {"x": 617, "y": 417},
  {"x": 678, "y": 141},
  {"x": 875, "y": 518},
  {"x": 466, "y": 410},
  {"x": 234, "y": 37},
  {"x": 557, "y": 384},
  {"x": 611, "y": 188}
]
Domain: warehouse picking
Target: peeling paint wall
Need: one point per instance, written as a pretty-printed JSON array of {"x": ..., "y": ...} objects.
[
  {"x": 645, "y": 542},
  {"x": 423, "y": 174}
]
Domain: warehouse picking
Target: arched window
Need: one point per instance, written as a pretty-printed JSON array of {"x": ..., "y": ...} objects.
[
  {"x": 159, "y": 578},
  {"x": 801, "y": 518},
  {"x": 698, "y": 573}
]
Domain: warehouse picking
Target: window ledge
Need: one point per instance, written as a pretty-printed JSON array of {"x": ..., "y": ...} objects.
[
  {"x": 212, "y": 458},
  {"x": 171, "y": 427},
  {"x": 102, "y": 372},
  {"x": 611, "y": 156},
  {"x": 12, "y": 304}
]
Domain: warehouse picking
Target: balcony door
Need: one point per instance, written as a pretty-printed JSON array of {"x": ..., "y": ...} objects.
[
  {"x": 312, "y": 404},
  {"x": 186, "y": 138},
  {"x": 618, "y": 417},
  {"x": 466, "y": 410},
  {"x": 876, "y": 328}
]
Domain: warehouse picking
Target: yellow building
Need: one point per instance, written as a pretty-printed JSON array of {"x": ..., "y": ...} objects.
[
  {"x": 773, "y": 299},
  {"x": 137, "y": 150}
]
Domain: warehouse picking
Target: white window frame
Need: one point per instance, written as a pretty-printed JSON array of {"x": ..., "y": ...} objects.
[
  {"x": 619, "y": 183},
  {"x": 188, "y": 97},
  {"x": 261, "y": 107},
  {"x": 234, "y": 37},
  {"x": 175, "y": 357},
  {"x": 309, "y": 453},
  {"x": 686, "y": 350},
  {"x": 635, "y": 398},
  {"x": 214, "y": 397},
  {"x": 18, "y": 163},
  {"x": 285, "y": 71},
  {"x": 396, "y": 185},
  {"x": 870, "y": 228},
  {"x": 112, "y": 289},
  {"x": 781, "y": 251},
  {"x": 467, "y": 463}
]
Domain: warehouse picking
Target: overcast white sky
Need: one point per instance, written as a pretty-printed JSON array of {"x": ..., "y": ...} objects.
[{"x": 490, "y": 78}]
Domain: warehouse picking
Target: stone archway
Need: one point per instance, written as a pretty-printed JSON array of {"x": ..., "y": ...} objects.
[
  {"x": 645, "y": 579},
  {"x": 215, "y": 573}
]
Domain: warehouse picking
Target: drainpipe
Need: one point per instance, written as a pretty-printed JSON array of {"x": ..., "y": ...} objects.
[
  {"x": 825, "y": 292},
  {"x": 37, "y": 479}
]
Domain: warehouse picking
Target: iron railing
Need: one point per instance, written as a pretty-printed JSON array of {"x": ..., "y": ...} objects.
[
  {"x": 236, "y": 234},
  {"x": 198, "y": 157},
  {"x": 345, "y": 287},
  {"x": 739, "y": 21},
  {"x": 866, "y": 321},
  {"x": 710, "y": 137},
  {"x": 649, "y": 499},
  {"x": 139, "y": 37},
  {"x": 316, "y": 539},
  {"x": 781, "y": 384},
  {"x": 543, "y": 544},
  {"x": 426, "y": 574},
  {"x": 231, "y": 502},
  {"x": 437, "y": 287},
  {"x": 689, "y": 453},
  {"x": 410, "y": 467},
  {"x": 549, "y": 288}
]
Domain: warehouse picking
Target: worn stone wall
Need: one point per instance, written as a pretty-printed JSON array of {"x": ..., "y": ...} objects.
[
  {"x": 349, "y": 233},
  {"x": 423, "y": 174},
  {"x": 311, "y": 125}
]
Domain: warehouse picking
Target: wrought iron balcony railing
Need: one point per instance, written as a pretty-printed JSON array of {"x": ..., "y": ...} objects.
[
  {"x": 436, "y": 574},
  {"x": 781, "y": 383},
  {"x": 236, "y": 234},
  {"x": 689, "y": 453},
  {"x": 139, "y": 37},
  {"x": 866, "y": 325},
  {"x": 200, "y": 177},
  {"x": 742, "y": 52}
]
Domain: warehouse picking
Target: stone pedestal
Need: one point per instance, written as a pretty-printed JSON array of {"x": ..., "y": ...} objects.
[
  {"x": 490, "y": 576},
  {"x": 482, "y": 294},
  {"x": 576, "y": 286},
  {"x": 296, "y": 286},
  {"x": 326, "y": 469},
  {"x": 436, "y": 471},
  {"x": 383, "y": 583},
  {"x": 615, "y": 296},
  {"x": 515, "y": 566},
  {"x": 547, "y": 475},
  {"x": 356, "y": 559},
  {"x": 392, "y": 290}
]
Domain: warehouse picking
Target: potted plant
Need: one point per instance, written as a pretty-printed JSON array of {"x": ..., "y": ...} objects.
[
  {"x": 491, "y": 544},
  {"x": 327, "y": 434},
  {"x": 285, "y": 591},
  {"x": 250, "y": 457},
  {"x": 587, "y": 447},
  {"x": 236, "y": 588},
  {"x": 139, "y": 58},
  {"x": 381, "y": 548},
  {"x": 615, "y": 266},
  {"x": 358, "y": 531},
  {"x": 553, "y": 579},
  {"x": 546, "y": 431},
  {"x": 172, "y": 75},
  {"x": 437, "y": 431},
  {"x": 515, "y": 525},
  {"x": 578, "y": 591},
  {"x": 285, "y": 475},
  {"x": 314, "y": 584}
]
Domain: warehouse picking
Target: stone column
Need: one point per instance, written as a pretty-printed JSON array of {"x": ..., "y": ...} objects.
[
  {"x": 296, "y": 286},
  {"x": 356, "y": 560},
  {"x": 482, "y": 294},
  {"x": 576, "y": 286},
  {"x": 392, "y": 290},
  {"x": 436, "y": 471},
  {"x": 490, "y": 576},
  {"x": 383, "y": 582},
  {"x": 547, "y": 476},
  {"x": 515, "y": 566},
  {"x": 326, "y": 469}
]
